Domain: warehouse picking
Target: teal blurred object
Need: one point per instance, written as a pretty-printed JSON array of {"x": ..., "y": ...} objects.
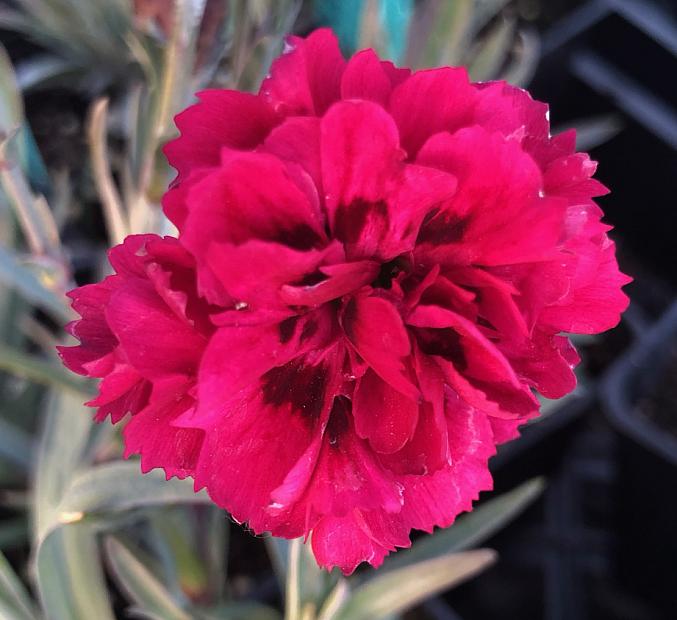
[
  {"x": 395, "y": 17},
  {"x": 342, "y": 18},
  {"x": 348, "y": 18}
]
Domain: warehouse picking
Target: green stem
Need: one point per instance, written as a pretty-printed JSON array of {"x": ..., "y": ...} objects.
[{"x": 292, "y": 607}]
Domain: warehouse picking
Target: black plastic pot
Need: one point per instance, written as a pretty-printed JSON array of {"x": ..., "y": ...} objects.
[{"x": 647, "y": 502}]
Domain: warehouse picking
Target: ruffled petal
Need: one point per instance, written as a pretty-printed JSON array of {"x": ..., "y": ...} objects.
[
  {"x": 436, "y": 500},
  {"x": 263, "y": 397},
  {"x": 431, "y": 101},
  {"x": 121, "y": 392},
  {"x": 473, "y": 365},
  {"x": 239, "y": 207},
  {"x": 512, "y": 111},
  {"x": 429, "y": 501},
  {"x": 221, "y": 118},
  {"x": 595, "y": 300},
  {"x": 497, "y": 215},
  {"x": 297, "y": 140},
  {"x": 428, "y": 449},
  {"x": 151, "y": 434},
  {"x": 360, "y": 536},
  {"x": 375, "y": 203},
  {"x": 154, "y": 339},
  {"x": 384, "y": 416},
  {"x": 92, "y": 356},
  {"x": 306, "y": 79},
  {"x": 365, "y": 78},
  {"x": 375, "y": 329},
  {"x": 546, "y": 362},
  {"x": 334, "y": 282},
  {"x": 256, "y": 276}
]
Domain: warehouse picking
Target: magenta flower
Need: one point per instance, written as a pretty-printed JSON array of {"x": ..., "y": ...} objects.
[
  {"x": 373, "y": 274},
  {"x": 143, "y": 330}
]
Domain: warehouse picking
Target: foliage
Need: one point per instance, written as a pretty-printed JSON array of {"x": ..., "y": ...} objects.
[{"x": 484, "y": 35}]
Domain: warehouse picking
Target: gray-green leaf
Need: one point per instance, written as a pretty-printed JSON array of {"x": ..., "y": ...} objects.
[
  {"x": 70, "y": 578},
  {"x": 470, "y": 529},
  {"x": 398, "y": 590},
  {"x": 15, "y": 604},
  {"x": 140, "y": 585}
]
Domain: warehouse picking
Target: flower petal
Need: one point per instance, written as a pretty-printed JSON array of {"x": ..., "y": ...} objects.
[
  {"x": 473, "y": 365},
  {"x": 431, "y": 101},
  {"x": 366, "y": 78},
  {"x": 335, "y": 281},
  {"x": 498, "y": 215},
  {"x": 239, "y": 207},
  {"x": 264, "y": 395},
  {"x": 306, "y": 79},
  {"x": 151, "y": 434},
  {"x": 154, "y": 339},
  {"x": 297, "y": 140},
  {"x": 361, "y": 536},
  {"x": 383, "y": 415},
  {"x": 221, "y": 118},
  {"x": 376, "y": 330},
  {"x": 375, "y": 203}
]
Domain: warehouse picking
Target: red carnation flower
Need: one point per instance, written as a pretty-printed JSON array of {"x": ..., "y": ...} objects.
[
  {"x": 143, "y": 330},
  {"x": 385, "y": 263}
]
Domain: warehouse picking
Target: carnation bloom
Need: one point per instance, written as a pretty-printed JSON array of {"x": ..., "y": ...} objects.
[{"x": 373, "y": 274}]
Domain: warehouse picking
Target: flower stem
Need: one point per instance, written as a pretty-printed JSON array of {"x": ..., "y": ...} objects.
[{"x": 292, "y": 608}]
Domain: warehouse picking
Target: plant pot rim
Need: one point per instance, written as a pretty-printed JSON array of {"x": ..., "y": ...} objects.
[{"x": 617, "y": 403}]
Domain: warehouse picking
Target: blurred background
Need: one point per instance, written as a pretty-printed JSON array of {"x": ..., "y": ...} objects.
[{"x": 88, "y": 90}]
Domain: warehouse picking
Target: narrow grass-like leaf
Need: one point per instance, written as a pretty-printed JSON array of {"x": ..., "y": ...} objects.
[
  {"x": 43, "y": 70},
  {"x": 307, "y": 585},
  {"x": 485, "y": 11},
  {"x": 113, "y": 210},
  {"x": 11, "y": 106},
  {"x": 278, "y": 551},
  {"x": 398, "y": 590},
  {"x": 120, "y": 486},
  {"x": 292, "y": 594},
  {"x": 440, "y": 35},
  {"x": 15, "y": 604},
  {"x": 12, "y": 122},
  {"x": 15, "y": 140},
  {"x": 168, "y": 72},
  {"x": 70, "y": 578},
  {"x": 470, "y": 529},
  {"x": 67, "y": 565},
  {"x": 525, "y": 58},
  {"x": 61, "y": 450},
  {"x": 41, "y": 371},
  {"x": 595, "y": 131},
  {"x": 36, "y": 219},
  {"x": 336, "y": 599},
  {"x": 384, "y": 25},
  {"x": 140, "y": 585},
  {"x": 15, "y": 275},
  {"x": 492, "y": 52},
  {"x": 175, "y": 533},
  {"x": 216, "y": 539}
]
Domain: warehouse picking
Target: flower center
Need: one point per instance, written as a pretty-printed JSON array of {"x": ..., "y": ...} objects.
[{"x": 391, "y": 270}]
